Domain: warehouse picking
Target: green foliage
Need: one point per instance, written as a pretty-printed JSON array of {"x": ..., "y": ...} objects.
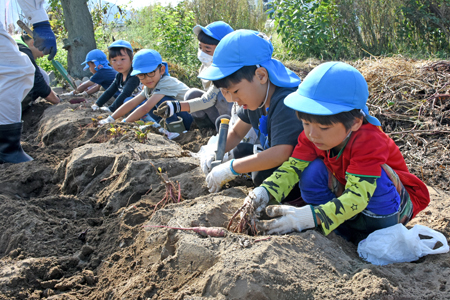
[
  {"x": 346, "y": 29},
  {"x": 239, "y": 14}
]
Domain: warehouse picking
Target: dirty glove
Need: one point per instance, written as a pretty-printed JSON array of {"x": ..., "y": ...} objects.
[
  {"x": 168, "y": 109},
  {"x": 67, "y": 95},
  {"x": 109, "y": 119},
  {"x": 259, "y": 198},
  {"x": 83, "y": 94},
  {"x": 44, "y": 39},
  {"x": 220, "y": 175},
  {"x": 291, "y": 219},
  {"x": 95, "y": 107},
  {"x": 105, "y": 109},
  {"x": 208, "y": 158}
]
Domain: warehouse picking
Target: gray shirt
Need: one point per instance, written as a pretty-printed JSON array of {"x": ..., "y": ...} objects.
[{"x": 168, "y": 86}]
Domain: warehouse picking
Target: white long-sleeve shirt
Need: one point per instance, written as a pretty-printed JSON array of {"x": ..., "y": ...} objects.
[{"x": 33, "y": 10}]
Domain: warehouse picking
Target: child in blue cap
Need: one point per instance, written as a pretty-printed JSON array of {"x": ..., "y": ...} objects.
[
  {"x": 153, "y": 73},
  {"x": 104, "y": 75},
  {"x": 127, "y": 85},
  {"x": 246, "y": 73},
  {"x": 205, "y": 107},
  {"x": 350, "y": 173}
]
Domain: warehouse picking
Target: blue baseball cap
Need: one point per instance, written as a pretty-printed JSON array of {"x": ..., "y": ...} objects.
[
  {"x": 121, "y": 44},
  {"x": 216, "y": 30},
  {"x": 146, "y": 61},
  {"x": 96, "y": 56},
  {"x": 332, "y": 88},
  {"x": 248, "y": 48}
]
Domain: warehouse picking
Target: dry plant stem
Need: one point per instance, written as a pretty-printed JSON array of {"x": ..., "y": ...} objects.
[
  {"x": 203, "y": 231},
  {"x": 246, "y": 223}
]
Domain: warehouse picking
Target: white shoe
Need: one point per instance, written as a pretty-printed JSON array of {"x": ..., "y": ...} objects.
[{"x": 105, "y": 109}]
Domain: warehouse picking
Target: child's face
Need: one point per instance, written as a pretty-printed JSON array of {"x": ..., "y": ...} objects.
[
  {"x": 151, "y": 79},
  {"x": 122, "y": 62},
  {"x": 327, "y": 137},
  {"x": 207, "y": 48},
  {"x": 92, "y": 67},
  {"x": 250, "y": 95}
]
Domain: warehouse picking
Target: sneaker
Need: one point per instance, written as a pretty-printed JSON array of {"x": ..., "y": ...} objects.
[{"x": 105, "y": 109}]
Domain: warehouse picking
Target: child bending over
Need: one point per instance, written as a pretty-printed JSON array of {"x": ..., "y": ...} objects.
[
  {"x": 159, "y": 87},
  {"x": 350, "y": 173}
]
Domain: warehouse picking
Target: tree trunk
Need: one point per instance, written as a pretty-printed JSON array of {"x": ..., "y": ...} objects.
[{"x": 81, "y": 39}]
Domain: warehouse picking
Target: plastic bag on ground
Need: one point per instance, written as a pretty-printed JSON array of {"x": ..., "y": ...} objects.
[{"x": 397, "y": 244}]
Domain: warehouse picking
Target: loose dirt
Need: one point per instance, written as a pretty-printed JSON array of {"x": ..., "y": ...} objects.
[{"x": 72, "y": 222}]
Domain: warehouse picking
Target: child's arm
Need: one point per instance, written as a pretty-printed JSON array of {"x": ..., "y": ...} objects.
[
  {"x": 84, "y": 86},
  {"x": 236, "y": 134},
  {"x": 113, "y": 88},
  {"x": 265, "y": 160},
  {"x": 145, "y": 108},
  {"x": 356, "y": 196},
  {"x": 131, "y": 84},
  {"x": 127, "y": 107},
  {"x": 281, "y": 182},
  {"x": 207, "y": 100}
]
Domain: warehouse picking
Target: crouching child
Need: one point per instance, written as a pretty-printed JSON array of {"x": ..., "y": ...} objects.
[
  {"x": 351, "y": 175},
  {"x": 153, "y": 73},
  {"x": 246, "y": 73}
]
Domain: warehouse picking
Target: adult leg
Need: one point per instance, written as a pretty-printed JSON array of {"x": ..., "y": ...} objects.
[{"x": 16, "y": 80}]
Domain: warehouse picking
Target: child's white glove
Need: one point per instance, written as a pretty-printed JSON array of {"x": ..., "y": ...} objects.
[
  {"x": 291, "y": 219},
  {"x": 207, "y": 159},
  {"x": 94, "y": 107},
  {"x": 259, "y": 198},
  {"x": 83, "y": 94},
  {"x": 109, "y": 119},
  {"x": 66, "y": 96},
  {"x": 105, "y": 109},
  {"x": 220, "y": 175}
]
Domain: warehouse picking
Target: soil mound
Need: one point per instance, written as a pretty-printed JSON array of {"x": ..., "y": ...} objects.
[{"x": 72, "y": 219}]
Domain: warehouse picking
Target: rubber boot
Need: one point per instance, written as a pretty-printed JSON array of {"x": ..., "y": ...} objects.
[
  {"x": 204, "y": 122},
  {"x": 10, "y": 149}
]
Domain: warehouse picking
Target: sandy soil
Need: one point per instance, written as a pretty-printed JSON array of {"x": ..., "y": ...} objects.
[{"x": 72, "y": 227}]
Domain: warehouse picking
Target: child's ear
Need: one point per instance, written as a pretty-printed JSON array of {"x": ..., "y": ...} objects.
[
  {"x": 357, "y": 124},
  {"x": 163, "y": 69},
  {"x": 262, "y": 75}
]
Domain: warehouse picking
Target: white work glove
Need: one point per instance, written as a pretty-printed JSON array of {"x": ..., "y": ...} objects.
[
  {"x": 220, "y": 175},
  {"x": 109, "y": 119},
  {"x": 208, "y": 158},
  {"x": 259, "y": 198},
  {"x": 291, "y": 219},
  {"x": 94, "y": 107},
  {"x": 66, "y": 95},
  {"x": 83, "y": 94},
  {"x": 105, "y": 109}
]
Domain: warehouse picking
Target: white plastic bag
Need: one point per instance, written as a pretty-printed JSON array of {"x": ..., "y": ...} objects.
[{"x": 398, "y": 244}]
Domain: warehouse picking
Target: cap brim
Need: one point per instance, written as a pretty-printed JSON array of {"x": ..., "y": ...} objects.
[
  {"x": 208, "y": 32},
  {"x": 215, "y": 73},
  {"x": 86, "y": 67},
  {"x": 314, "y": 107},
  {"x": 144, "y": 70}
]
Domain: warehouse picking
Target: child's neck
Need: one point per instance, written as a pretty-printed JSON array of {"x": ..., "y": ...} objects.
[
  {"x": 125, "y": 74},
  {"x": 269, "y": 95}
]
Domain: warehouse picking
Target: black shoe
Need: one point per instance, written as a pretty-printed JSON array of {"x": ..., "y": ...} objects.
[{"x": 10, "y": 149}]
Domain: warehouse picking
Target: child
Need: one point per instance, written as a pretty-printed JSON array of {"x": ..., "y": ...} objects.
[
  {"x": 41, "y": 87},
  {"x": 246, "y": 73},
  {"x": 159, "y": 87},
  {"x": 205, "y": 107},
  {"x": 351, "y": 174},
  {"x": 120, "y": 57},
  {"x": 104, "y": 75}
]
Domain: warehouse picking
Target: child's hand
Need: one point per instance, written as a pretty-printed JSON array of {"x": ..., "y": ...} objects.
[
  {"x": 167, "y": 109},
  {"x": 95, "y": 107},
  {"x": 220, "y": 175},
  {"x": 259, "y": 198},
  {"x": 109, "y": 119},
  {"x": 291, "y": 219}
]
